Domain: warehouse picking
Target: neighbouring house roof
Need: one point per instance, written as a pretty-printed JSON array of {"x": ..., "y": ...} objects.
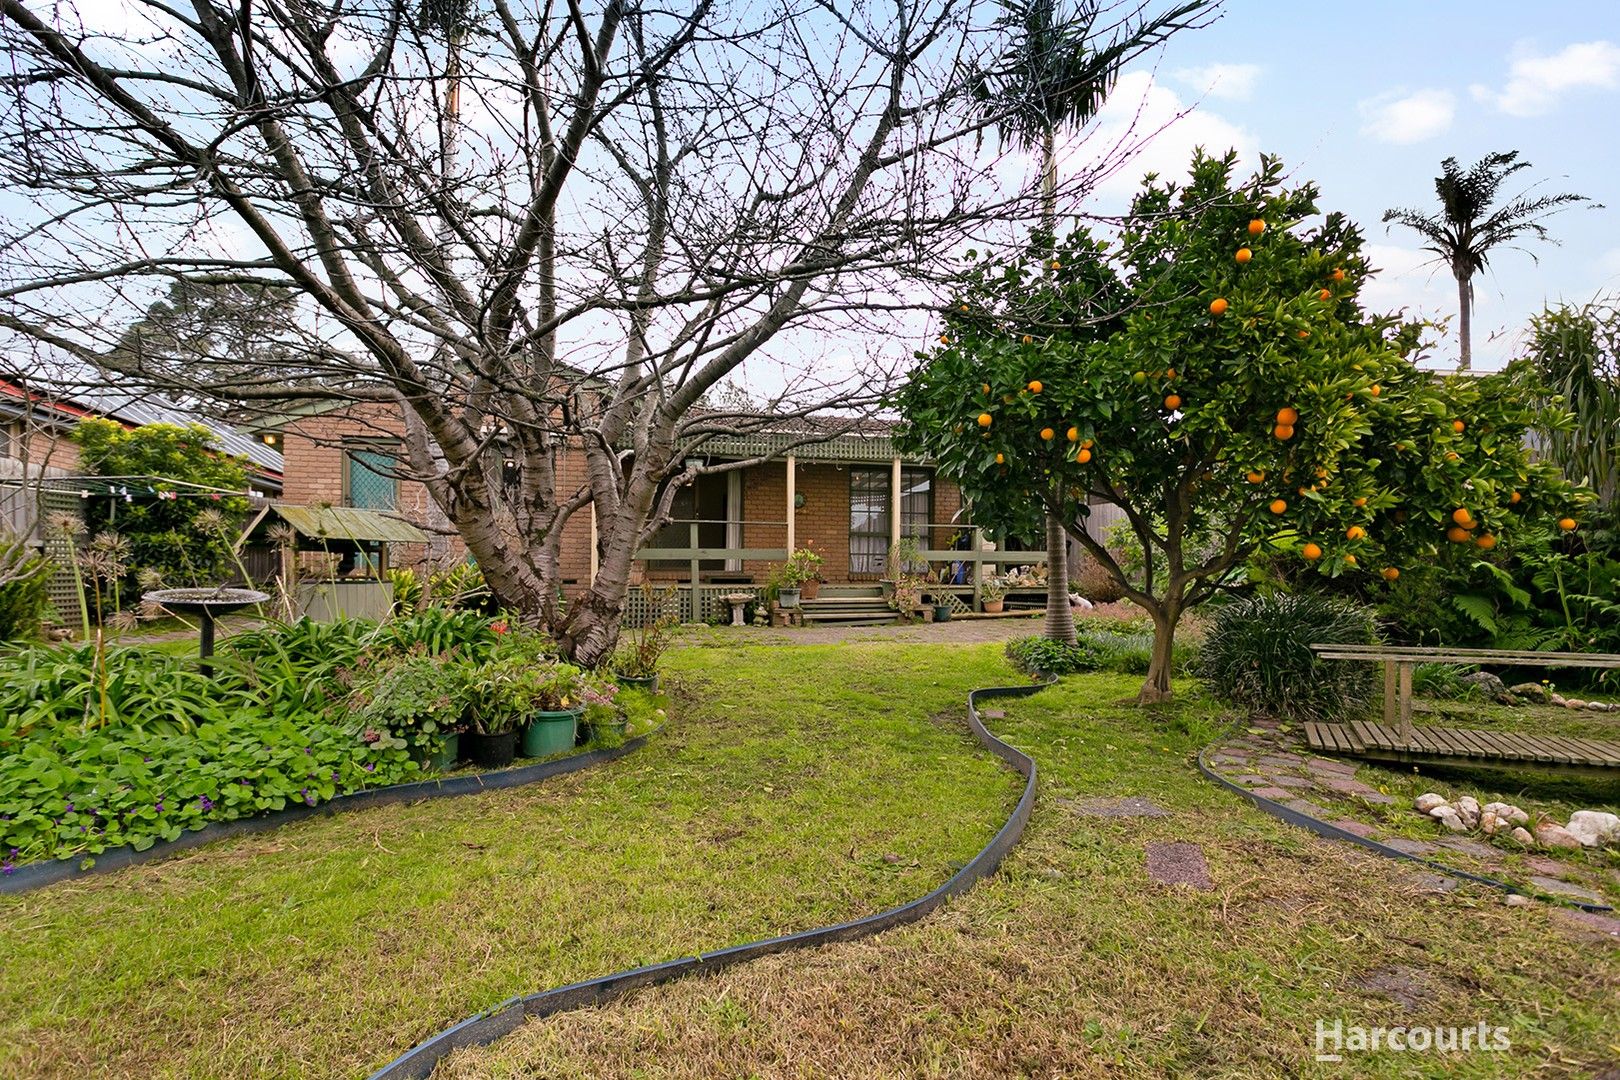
[
  {"x": 816, "y": 438},
  {"x": 343, "y": 524}
]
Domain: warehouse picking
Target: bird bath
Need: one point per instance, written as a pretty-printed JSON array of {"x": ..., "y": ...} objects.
[{"x": 207, "y": 605}]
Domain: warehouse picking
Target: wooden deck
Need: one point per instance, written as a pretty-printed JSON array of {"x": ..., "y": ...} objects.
[{"x": 1462, "y": 746}]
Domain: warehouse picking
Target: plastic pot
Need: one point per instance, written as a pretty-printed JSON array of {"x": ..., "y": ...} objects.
[
  {"x": 788, "y": 598},
  {"x": 942, "y": 613},
  {"x": 549, "y": 732},
  {"x": 449, "y": 753},
  {"x": 648, "y": 683},
  {"x": 490, "y": 751}
]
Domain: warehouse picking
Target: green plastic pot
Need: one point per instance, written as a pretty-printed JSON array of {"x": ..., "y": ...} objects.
[
  {"x": 449, "y": 753},
  {"x": 648, "y": 683},
  {"x": 550, "y": 733}
]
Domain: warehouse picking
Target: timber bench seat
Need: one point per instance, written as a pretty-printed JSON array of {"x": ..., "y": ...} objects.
[{"x": 1397, "y": 740}]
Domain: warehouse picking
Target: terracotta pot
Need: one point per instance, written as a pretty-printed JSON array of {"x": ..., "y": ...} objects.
[
  {"x": 810, "y": 589},
  {"x": 993, "y": 607}
]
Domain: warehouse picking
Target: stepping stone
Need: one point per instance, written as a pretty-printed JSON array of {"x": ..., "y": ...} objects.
[
  {"x": 1346, "y": 786},
  {"x": 1377, "y": 797},
  {"x": 1564, "y": 888},
  {"x": 1178, "y": 864},
  {"x": 1131, "y": 806},
  {"x": 1543, "y": 865},
  {"x": 1274, "y": 793},
  {"x": 1305, "y": 806},
  {"x": 992, "y": 714},
  {"x": 1359, "y": 828},
  {"x": 1230, "y": 759},
  {"x": 1410, "y": 847},
  {"x": 1251, "y": 779},
  {"x": 1293, "y": 781},
  {"x": 1280, "y": 760},
  {"x": 1407, "y": 986},
  {"x": 1470, "y": 847},
  {"x": 1589, "y": 925},
  {"x": 1328, "y": 765}
]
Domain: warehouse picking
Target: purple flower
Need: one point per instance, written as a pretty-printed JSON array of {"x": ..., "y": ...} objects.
[
  {"x": 69, "y": 809},
  {"x": 370, "y": 767},
  {"x": 204, "y": 803},
  {"x": 13, "y": 853},
  {"x": 7, "y": 867},
  {"x": 307, "y": 750},
  {"x": 146, "y": 759},
  {"x": 160, "y": 806}
]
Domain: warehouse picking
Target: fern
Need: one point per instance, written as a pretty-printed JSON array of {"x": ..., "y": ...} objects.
[{"x": 1478, "y": 609}]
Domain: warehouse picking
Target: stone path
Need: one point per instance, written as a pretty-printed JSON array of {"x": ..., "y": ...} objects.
[{"x": 1275, "y": 764}]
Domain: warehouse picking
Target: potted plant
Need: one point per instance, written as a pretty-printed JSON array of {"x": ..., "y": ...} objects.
[
  {"x": 993, "y": 592},
  {"x": 552, "y": 710},
  {"x": 603, "y": 717},
  {"x": 810, "y": 587},
  {"x": 636, "y": 661},
  {"x": 415, "y": 701},
  {"x": 497, "y": 692}
]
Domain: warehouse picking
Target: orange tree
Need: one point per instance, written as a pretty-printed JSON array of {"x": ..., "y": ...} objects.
[{"x": 1212, "y": 374}]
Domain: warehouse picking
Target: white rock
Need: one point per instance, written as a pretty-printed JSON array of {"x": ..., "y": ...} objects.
[
  {"x": 1490, "y": 824},
  {"x": 1575, "y": 703},
  {"x": 1598, "y": 706},
  {"x": 1553, "y": 835},
  {"x": 1516, "y": 900},
  {"x": 1428, "y": 801},
  {"x": 1448, "y": 817},
  {"x": 1468, "y": 810},
  {"x": 1557, "y": 699},
  {"x": 1507, "y": 812},
  {"x": 1522, "y": 835},
  {"x": 1594, "y": 828}
]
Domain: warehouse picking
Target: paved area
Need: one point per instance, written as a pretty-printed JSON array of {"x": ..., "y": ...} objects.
[{"x": 955, "y": 632}]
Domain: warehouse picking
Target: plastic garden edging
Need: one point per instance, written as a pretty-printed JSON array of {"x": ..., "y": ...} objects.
[
  {"x": 1333, "y": 832},
  {"x": 32, "y": 876},
  {"x": 504, "y": 1018}
]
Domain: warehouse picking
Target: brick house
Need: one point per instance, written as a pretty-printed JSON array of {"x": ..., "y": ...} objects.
[{"x": 838, "y": 495}]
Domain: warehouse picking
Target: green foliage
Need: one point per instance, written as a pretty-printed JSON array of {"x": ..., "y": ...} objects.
[
  {"x": 23, "y": 580},
  {"x": 1576, "y": 351},
  {"x": 1038, "y": 656},
  {"x": 1257, "y": 656},
  {"x": 131, "y": 745},
  {"x": 1092, "y": 371},
  {"x": 1096, "y": 649},
  {"x": 641, "y": 647},
  {"x": 1444, "y": 681},
  {"x": 185, "y": 540}
]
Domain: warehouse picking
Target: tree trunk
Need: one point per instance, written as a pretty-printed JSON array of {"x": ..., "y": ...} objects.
[
  {"x": 1049, "y": 181},
  {"x": 1059, "y": 616},
  {"x": 1156, "y": 688},
  {"x": 1465, "y": 321}
]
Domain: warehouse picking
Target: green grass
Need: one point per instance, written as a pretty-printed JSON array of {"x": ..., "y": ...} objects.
[
  {"x": 326, "y": 948},
  {"x": 768, "y": 804}
]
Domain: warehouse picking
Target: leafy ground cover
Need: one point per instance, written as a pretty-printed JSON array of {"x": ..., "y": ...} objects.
[
  {"x": 779, "y": 799},
  {"x": 1072, "y": 963}
]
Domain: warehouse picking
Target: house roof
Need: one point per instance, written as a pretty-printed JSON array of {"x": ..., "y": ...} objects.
[
  {"x": 341, "y": 523},
  {"x": 816, "y": 438}
]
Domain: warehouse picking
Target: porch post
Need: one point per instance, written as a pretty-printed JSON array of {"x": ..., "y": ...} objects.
[
  {"x": 692, "y": 542},
  {"x": 894, "y": 506},
  {"x": 792, "y": 530}
]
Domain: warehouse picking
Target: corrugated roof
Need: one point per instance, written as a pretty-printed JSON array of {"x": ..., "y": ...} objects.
[
  {"x": 348, "y": 523},
  {"x": 150, "y": 409}
]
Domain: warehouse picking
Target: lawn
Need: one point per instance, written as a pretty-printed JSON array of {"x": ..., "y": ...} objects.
[{"x": 795, "y": 786}]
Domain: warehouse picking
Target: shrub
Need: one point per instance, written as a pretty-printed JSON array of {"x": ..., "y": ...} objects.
[
  {"x": 1445, "y": 681},
  {"x": 23, "y": 602},
  {"x": 1042, "y": 656},
  {"x": 1257, "y": 655},
  {"x": 411, "y": 702}
]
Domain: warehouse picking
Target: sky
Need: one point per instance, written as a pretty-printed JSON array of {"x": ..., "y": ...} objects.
[{"x": 1367, "y": 98}]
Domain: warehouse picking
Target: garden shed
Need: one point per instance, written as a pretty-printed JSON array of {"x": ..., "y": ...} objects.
[{"x": 353, "y": 585}]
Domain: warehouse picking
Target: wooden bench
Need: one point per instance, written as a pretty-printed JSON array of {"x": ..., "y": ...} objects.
[{"x": 1396, "y": 739}]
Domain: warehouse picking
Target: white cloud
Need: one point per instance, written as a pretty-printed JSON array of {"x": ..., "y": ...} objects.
[
  {"x": 1399, "y": 117},
  {"x": 1535, "y": 83},
  {"x": 1407, "y": 279},
  {"x": 1231, "y": 82},
  {"x": 1146, "y": 127}
]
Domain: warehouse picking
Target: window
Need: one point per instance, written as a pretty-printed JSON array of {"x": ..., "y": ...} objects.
[
  {"x": 714, "y": 501},
  {"x": 369, "y": 482},
  {"x": 869, "y": 498}
]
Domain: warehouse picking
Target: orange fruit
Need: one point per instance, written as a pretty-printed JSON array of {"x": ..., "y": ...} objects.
[
  {"x": 1451, "y": 455},
  {"x": 1355, "y": 532},
  {"x": 1283, "y": 431},
  {"x": 1278, "y": 506},
  {"x": 1375, "y": 390},
  {"x": 944, "y": 339},
  {"x": 1056, "y": 265},
  {"x": 1360, "y": 502},
  {"x": 1567, "y": 524},
  {"x": 1087, "y": 444},
  {"x": 1000, "y": 459},
  {"x": 1311, "y": 552},
  {"x": 984, "y": 419},
  {"x": 1047, "y": 434},
  {"x": 1350, "y": 560},
  {"x": 1256, "y": 227},
  {"x": 964, "y": 307},
  {"x": 1458, "y": 426},
  {"x": 984, "y": 388},
  {"x": 1486, "y": 541},
  {"x": 1287, "y": 416},
  {"x": 1218, "y": 306},
  {"x": 1257, "y": 478},
  {"x": 1083, "y": 456},
  {"x": 1390, "y": 573},
  {"x": 1458, "y": 535},
  {"x": 1074, "y": 434},
  {"x": 1321, "y": 472},
  {"x": 1170, "y": 374},
  {"x": 1338, "y": 275},
  {"x": 1243, "y": 255},
  {"x": 1035, "y": 386},
  {"x": 1462, "y": 517},
  {"x": 1303, "y": 490},
  {"x": 1029, "y": 339},
  {"x": 1172, "y": 402},
  {"x": 1325, "y": 294},
  {"x": 1514, "y": 496}
]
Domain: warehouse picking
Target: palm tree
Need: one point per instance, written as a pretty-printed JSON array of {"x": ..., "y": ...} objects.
[
  {"x": 1054, "y": 77},
  {"x": 1466, "y": 230}
]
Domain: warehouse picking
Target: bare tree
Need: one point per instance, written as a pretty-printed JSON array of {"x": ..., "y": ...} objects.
[{"x": 614, "y": 210}]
